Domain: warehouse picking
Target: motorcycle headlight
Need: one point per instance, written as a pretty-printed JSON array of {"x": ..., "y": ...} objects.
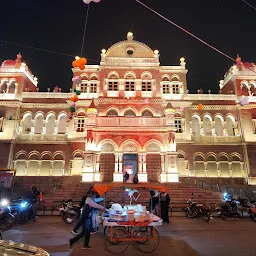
[
  {"x": 4, "y": 202},
  {"x": 23, "y": 204}
]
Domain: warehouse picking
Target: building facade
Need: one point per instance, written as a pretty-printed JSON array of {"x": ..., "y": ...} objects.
[{"x": 133, "y": 116}]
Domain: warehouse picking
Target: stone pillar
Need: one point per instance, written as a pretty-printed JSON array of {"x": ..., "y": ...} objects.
[
  {"x": 26, "y": 170},
  {"x": 44, "y": 127},
  {"x": 205, "y": 168},
  {"x": 218, "y": 168},
  {"x": 118, "y": 174},
  {"x": 163, "y": 176},
  {"x": 89, "y": 166},
  {"x": 52, "y": 167},
  {"x": 39, "y": 167},
  {"x": 56, "y": 127},
  {"x": 97, "y": 176},
  {"x": 230, "y": 169},
  {"x": 171, "y": 167},
  {"x": 142, "y": 174}
]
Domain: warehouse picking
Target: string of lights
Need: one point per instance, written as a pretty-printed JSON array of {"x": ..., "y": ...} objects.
[{"x": 254, "y": 8}]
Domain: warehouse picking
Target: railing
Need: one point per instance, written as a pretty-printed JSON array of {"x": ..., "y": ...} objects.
[
  {"x": 130, "y": 122},
  {"x": 9, "y": 96},
  {"x": 42, "y": 137},
  {"x": 216, "y": 139}
]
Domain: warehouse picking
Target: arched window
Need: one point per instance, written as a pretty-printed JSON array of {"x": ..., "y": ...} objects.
[
  {"x": 212, "y": 169},
  {"x": 93, "y": 84},
  {"x": 129, "y": 82},
  {"x": 195, "y": 126},
  {"x": 244, "y": 86},
  {"x": 27, "y": 123},
  {"x": 129, "y": 113},
  {"x": 33, "y": 165},
  {"x": 178, "y": 122},
  {"x": 146, "y": 84},
  {"x": 224, "y": 166},
  {"x": 58, "y": 165},
  {"x": 166, "y": 85},
  {"x": 175, "y": 85},
  {"x": 218, "y": 126},
  {"x": 3, "y": 88},
  {"x": 253, "y": 88},
  {"x": 50, "y": 124},
  {"x": 230, "y": 126},
  {"x": 113, "y": 82},
  {"x": 77, "y": 163},
  {"x": 39, "y": 123},
  {"x": 84, "y": 86},
  {"x": 199, "y": 166},
  {"x": 62, "y": 124},
  {"x": 147, "y": 113},
  {"x": 236, "y": 166},
  {"x": 81, "y": 122},
  {"x": 12, "y": 87},
  {"x": 207, "y": 125},
  {"x": 112, "y": 113},
  {"x": 46, "y": 166}
]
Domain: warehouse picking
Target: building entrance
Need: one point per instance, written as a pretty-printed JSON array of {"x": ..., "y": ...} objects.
[{"x": 130, "y": 165}]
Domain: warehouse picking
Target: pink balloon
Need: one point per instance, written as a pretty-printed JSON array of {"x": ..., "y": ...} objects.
[
  {"x": 88, "y": 1},
  {"x": 73, "y": 104},
  {"x": 76, "y": 80}
]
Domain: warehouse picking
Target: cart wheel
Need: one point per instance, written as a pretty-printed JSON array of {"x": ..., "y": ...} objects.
[
  {"x": 149, "y": 239},
  {"x": 117, "y": 246}
]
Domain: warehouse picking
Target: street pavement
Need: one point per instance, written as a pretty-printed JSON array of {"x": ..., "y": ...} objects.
[{"x": 182, "y": 237}]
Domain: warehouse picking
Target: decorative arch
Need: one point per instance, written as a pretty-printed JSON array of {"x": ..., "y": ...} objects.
[
  {"x": 175, "y": 78},
  {"x": 218, "y": 124},
  {"x": 112, "y": 108},
  {"x": 78, "y": 154},
  {"x": 235, "y": 157},
  {"x": 39, "y": 122},
  {"x": 166, "y": 78},
  {"x": 34, "y": 155},
  {"x": 49, "y": 114},
  {"x": 12, "y": 86},
  {"x": 27, "y": 113},
  {"x": 94, "y": 77},
  {"x": 46, "y": 155},
  {"x": 195, "y": 125},
  {"x": 199, "y": 163},
  {"x": 180, "y": 152},
  {"x": 50, "y": 123},
  {"x": 212, "y": 168},
  {"x": 223, "y": 157},
  {"x": 3, "y": 87},
  {"x": 153, "y": 146},
  {"x": 130, "y": 75},
  {"x": 62, "y": 123},
  {"x": 113, "y": 75},
  {"x": 236, "y": 165},
  {"x": 58, "y": 155},
  {"x": 147, "y": 109},
  {"x": 84, "y": 76},
  {"x": 207, "y": 122},
  {"x": 62, "y": 115},
  {"x": 38, "y": 113},
  {"x": 182, "y": 164},
  {"x": 230, "y": 123},
  {"x": 129, "y": 108},
  {"x": 130, "y": 146},
  {"x": 27, "y": 123},
  {"x": 108, "y": 142},
  {"x": 146, "y": 75},
  {"x": 211, "y": 156},
  {"x": 21, "y": 155},
  {"x": 81, "y": 111}
]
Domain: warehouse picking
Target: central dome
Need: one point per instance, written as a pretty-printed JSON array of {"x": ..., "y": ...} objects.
[{"x": 130, "y": 49}]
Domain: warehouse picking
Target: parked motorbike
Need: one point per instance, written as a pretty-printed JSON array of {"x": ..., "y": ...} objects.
[
  {"x": 22, "y": 210},
  {"x": 69, "y": 212},
  {"x": 6, "y": 217},
  {"x": 230, "y": 208},
  {"x": 197, "y": 210},
  {"x": 249, "y": 206}
]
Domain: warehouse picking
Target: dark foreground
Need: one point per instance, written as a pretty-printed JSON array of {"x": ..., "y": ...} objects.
[{"x": 182, "y": 237}]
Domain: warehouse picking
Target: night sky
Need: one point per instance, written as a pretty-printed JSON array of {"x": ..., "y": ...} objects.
[{"x": 57, "y": 25}]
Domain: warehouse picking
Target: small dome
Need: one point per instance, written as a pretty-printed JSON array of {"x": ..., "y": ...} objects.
[{"x": 9, "y": 63}]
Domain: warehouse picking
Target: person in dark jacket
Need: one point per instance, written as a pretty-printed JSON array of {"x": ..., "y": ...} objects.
[
  {"x": 87, "y": 220},
  {"x": 154, "y": 200},
  {"x": 34, "y": 198},
  {"x": 164, "y": 203},
  {"x": 80, "y": 221}
]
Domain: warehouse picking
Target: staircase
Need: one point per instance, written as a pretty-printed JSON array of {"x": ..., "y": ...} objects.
[{"x": 71, "y": 188}]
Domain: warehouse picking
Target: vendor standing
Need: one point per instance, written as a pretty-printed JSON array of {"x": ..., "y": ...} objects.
[
  {"x": 87, "y": 220},
  {"x": 164, "y": 203},
  {"x": 154, "y": 200}
]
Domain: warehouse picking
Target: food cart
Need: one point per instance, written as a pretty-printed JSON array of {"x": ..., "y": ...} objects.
[{"x": 130, "y": 223}]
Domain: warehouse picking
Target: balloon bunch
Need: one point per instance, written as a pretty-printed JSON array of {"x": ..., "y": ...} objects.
[
  {"x": 79, "y": 63},
  {"x": 76, "y": 80},
  {"x": 200, "y": 106},
  {"x": 72, "y": 107},
  {"x": 88, "y": 1}
]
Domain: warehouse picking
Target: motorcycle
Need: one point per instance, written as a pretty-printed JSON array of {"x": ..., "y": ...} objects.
[
  {"x": 22, "y": 210},
  {"x": 230, "y": 208},
  {"x": 197, "y": 210},
  {"x": 69, "y": 212},
  {"x": 250, "y": 206},
  {"x": 6, "y": 217}
]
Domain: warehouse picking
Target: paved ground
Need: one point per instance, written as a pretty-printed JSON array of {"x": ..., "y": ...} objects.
[{"x": 182, "y": 237}]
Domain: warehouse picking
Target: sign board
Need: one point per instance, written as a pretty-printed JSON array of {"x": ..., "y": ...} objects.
[{"x": 6, "y": 178}]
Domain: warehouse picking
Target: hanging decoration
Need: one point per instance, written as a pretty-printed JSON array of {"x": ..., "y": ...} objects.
[
  {"x": 76, "y": 80},
  {"x": 200, "y": 106},
  {"x": 72, "y": 107},
  {"x": 182, "y": 108},
  {"x": 79, "y": 63},
  {"x": 88, "y": 1}
]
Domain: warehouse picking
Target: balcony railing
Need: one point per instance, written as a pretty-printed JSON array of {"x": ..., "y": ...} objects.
[
  {"x": 216, "y": 139},
  {"x": 42, "y": 137},
  {"x": 131, "y": 122}
]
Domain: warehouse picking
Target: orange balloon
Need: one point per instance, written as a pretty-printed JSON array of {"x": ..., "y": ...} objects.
[
  {"x": 200, "y": 106},
  {"x": 75, "y": 98},
  {"x": 82, "y": 67},
  {"x": 74, "y": 64},
  {"x": 71, "y": 98},
  {"x": 83, "y": 61}
]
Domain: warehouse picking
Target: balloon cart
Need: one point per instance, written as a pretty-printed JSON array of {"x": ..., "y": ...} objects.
[{"x": 119, "y": 234}]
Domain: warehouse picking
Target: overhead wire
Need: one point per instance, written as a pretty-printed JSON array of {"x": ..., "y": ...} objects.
[
  {"x": 85, "y": 28},
  {"x": 186, "y": 31},
  {"x": 253, "y": 7}
]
